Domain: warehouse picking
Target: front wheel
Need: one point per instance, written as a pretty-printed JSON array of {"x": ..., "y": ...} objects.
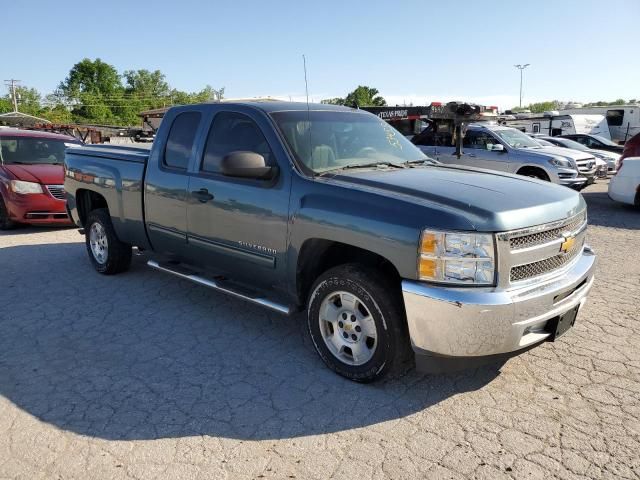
[
  {"x": 106, "y": 252},
  {"x": 357, "y": 324},
  {"x": 5, "y": 222}
]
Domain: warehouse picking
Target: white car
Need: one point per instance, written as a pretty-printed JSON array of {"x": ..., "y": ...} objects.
[{"x": 625, "y": 185}]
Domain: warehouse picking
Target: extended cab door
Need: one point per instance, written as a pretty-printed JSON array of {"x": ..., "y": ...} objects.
[
  {"x": 167, "y": 181},
  {"x": 238, "y": 226}
]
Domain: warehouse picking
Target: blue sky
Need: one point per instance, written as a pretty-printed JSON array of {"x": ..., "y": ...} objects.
[{"x": 410, "y": 50}]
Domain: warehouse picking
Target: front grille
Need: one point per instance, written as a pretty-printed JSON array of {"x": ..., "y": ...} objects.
[
  {"x": 57, "y": 191},
  {"x": 535, "y": 269},
  {"x": 546, "y": 236}
]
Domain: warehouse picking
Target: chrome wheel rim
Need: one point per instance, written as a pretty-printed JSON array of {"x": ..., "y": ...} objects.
[
  {"x": 348, "y": 328},
  {"x": 99, "y": 243}
]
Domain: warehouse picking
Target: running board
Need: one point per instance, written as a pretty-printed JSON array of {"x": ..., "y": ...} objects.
[{"x": 217, "y": 286}]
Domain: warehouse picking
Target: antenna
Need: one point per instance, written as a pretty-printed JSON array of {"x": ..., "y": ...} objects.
[{"x": 306, "y": 87}]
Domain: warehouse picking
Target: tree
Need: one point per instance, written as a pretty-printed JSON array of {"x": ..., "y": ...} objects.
[
  {"x": 93, "y": 77},
  {"x": 146, "y": 84},
  {"x": 333, "y": 101},
  {"x": 362, "y": 96},
  {"x": 95, "y": 90},
  {"x": 544, "y": 106},
  {"x": 365, "y": 97}
]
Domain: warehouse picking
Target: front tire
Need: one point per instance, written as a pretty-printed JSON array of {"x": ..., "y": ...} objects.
[
  {"x": 5, "y": 222},
  {"x": 357, "y": 324},
  {"x": 106, "y": 252}
]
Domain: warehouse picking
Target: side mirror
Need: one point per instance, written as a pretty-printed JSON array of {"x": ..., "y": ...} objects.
[
  {"x": 497, "y": 147},
  {"x": 246, "y": 165}
]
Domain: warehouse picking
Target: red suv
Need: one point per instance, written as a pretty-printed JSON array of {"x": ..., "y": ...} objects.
[
  {"x": 631, "y": 149},
  {"x": 32, "y": 177}
]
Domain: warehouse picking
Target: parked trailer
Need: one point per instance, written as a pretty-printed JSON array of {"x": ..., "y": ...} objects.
[
  {"x": 623, "y": 120},
  {"x": 555, "y": 124}
]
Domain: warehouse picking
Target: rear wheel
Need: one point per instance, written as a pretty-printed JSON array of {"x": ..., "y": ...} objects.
[
  {"x": 106, "y": 252},
  {"x": 5, "y": 222},
  {"x": 357, "y": 324}
]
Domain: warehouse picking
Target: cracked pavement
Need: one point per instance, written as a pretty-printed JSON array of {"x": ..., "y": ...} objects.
[{"x": 143, "y": 376}]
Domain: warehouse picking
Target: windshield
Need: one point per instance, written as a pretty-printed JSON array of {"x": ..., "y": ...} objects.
[
  {"x": 29, "y": 150},
  {"x": 565, "y": 142},
  {"x": 323, "y": 141},
  {"x": 544, "y": 143},
  {"x": 606, "y": 141},
  {"x": 516, "y": 139}
]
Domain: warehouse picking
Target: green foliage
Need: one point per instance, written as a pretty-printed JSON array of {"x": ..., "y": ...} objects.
[
  {"x": 333, "y": 101},
  {"x": 544, "y": 106},
  {"x": 362, "y": 96},
  {"x": 95, "y": 93}
]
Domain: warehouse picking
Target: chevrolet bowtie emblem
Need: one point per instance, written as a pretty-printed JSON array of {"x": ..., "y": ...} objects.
[{"x": 568, "y": 244}]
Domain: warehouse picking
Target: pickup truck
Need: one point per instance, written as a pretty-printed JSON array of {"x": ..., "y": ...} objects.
[{"x": 395, "y": 258}]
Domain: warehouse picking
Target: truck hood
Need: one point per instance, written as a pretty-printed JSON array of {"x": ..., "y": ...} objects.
[
  {"x": 44, "y": 174},
  {"x": 489, "y": 201}
]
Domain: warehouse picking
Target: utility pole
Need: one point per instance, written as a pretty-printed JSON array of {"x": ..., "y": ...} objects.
[
  {"x": 521, "y": 68},
  {"x": 11, "y": 83}
]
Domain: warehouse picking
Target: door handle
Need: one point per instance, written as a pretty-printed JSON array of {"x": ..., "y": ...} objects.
[{"x": 202, "y": 195}]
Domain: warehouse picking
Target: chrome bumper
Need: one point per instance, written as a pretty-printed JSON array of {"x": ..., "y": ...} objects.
[{"x": 477, "y": 322}]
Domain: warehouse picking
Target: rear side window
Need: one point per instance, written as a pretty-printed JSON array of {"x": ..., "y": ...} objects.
[
  {"x": 233, "y": 132},
  {"x": 180, "y": 141}
]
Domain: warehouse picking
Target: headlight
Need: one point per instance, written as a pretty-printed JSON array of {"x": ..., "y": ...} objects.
[
  {"x": 18, "y": 186},
  {"x": 559, "y": 162},
  {"x": 465, "y": 258}
]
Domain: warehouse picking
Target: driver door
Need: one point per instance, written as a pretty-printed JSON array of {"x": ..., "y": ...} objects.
[
  {"x": 238, "y": 226},
  {"x": 477, "y": 148}
]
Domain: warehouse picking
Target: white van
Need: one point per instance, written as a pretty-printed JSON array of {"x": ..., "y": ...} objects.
[
  {"x": 554, "y": 124},
  {"x": 623, "y": 120}
]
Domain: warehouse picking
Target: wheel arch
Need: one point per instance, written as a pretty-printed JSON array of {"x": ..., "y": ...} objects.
[
  {"x": 525, "y": 169},
  {"x": 317, "y": 255},
  {"x": 88, "y": 200}
]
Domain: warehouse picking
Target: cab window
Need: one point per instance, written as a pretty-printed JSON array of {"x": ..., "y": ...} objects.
[
  {"x": 180, "y": 141},
  {"x": 233, "y": 132},
  {"x": 479, "y": 141}
]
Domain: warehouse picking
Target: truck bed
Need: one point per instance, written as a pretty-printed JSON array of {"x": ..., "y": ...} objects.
[{"x": 116, "y": 174}]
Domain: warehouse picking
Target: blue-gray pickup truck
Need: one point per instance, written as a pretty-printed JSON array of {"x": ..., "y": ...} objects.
[{"x": 328, "y": 209}]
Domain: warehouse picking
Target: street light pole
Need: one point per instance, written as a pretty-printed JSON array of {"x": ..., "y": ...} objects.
[{"x": 521, "y": 68}]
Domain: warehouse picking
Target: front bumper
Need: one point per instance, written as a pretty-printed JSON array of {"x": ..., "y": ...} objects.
[
  {"x": 473, "y": 323},
  {"x": 37, "y": 209}
]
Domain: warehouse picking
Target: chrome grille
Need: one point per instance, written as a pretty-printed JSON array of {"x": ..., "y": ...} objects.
[
  {"x": 57, "y": 191},
  {"x": 535, "y": 269},
  {"x": 545, "y": 236}
]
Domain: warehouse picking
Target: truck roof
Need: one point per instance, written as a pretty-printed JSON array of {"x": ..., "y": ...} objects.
[{"x": 279, "y": 106}]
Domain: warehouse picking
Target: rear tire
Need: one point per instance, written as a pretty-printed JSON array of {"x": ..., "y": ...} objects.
[
  {"x": 106, "y": 252},
  {"x": 357, "y": 323},
  {"x": 5, "y": 222}
]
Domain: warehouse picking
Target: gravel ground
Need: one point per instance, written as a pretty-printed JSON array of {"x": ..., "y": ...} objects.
[{"x": 146, "y": 376}]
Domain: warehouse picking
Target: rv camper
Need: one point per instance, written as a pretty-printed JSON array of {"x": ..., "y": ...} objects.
[
  {"x": 623, "y": 120},
  {"x": 554, "y": 124}
]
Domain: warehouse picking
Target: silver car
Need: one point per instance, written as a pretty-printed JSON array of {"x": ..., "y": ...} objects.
[{"x": 506, "y": 149}]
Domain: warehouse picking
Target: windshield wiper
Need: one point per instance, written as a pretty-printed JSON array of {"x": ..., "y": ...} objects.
[
  {"x": 421, "y": 161},
  {"x": 361, "y": 165}
]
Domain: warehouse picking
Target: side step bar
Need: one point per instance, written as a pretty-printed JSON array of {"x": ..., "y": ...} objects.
[{"x": 217, "y": 286}]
